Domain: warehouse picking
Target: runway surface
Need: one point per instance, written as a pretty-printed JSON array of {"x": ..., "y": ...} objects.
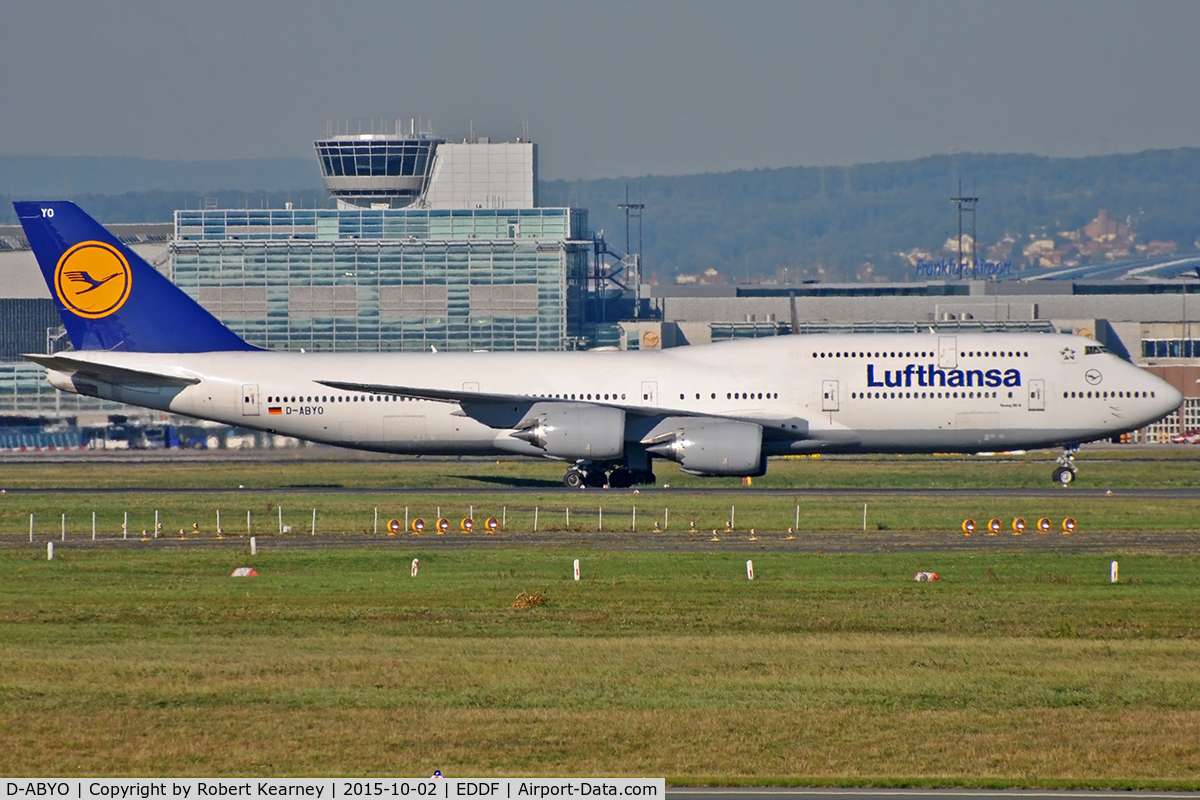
[{"x": 768, "y": 793}]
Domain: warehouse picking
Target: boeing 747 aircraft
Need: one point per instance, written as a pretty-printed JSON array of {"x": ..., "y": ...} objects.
[{"x": 718, "y": 409}]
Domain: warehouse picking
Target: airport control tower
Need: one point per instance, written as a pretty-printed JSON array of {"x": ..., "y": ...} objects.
[{"x": 403, "y": 169}]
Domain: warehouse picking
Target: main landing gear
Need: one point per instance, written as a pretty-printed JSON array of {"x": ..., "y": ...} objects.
[
  {"x": 595, "y": 475},
  {"x": 1064, "y": 473}
]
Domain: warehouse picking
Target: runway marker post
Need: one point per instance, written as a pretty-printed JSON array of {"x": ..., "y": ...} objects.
[
  {"x": 535, "y": 513},
  {"x": 568, "y": 519},
  {"x": 49, "y": 551},
  {"x": 31, "y": 528},
  {"x": 633, "y": 520},
  {"x": 281, "y": 519},
  {"x": 600, "y": 518},
  {"x": 93, "y": 526},
  {"x": 749, "y": 570},
  {"x": 157, "y": 526},
  {"x": 666, "y": 518},
  {"x": 415, "y": 563},
  {"x": 125, "y": 527},
  {"x": 1112, "y": 572},
  {"x": 577, "y": 569},
  {"x": 64, "y": 527},
  {"x": 253, "y": 545},
  {"x": 314, "y": 523},
  {"x": 375, "y": 529},
  {"x": 247, "y": 521},
  {"x": 864, "y": 517}
]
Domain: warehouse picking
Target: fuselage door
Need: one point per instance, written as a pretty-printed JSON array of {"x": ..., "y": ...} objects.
[
  {"x": 650, "y": 393},
  {"x": 947, "y": 352},
  {"x": 829, "y": 395},
  {"x": 1037, "y": 394},
  {"x": 249, "y": 399}
]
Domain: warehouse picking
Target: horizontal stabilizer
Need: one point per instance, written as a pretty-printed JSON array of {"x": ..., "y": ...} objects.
[{"x": 110, "y": 374}]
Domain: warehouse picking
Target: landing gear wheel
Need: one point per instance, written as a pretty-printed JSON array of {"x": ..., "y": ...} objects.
[
  {"x": 574, "y": 478},
  {"x": 620, "y": 478},
  {"x": 1063, "y": 475},
  {"x": 595, "y": 478}
]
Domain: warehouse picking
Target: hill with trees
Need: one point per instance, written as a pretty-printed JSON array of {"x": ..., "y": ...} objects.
[{"x": 864, "y": 222}]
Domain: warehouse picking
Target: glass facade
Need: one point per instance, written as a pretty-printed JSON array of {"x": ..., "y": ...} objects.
[
  {"x": 381, "y": 223},
  {"x": 1171, "y": 348},
  {"x": 372, "y": 171},
  {"x": 388, "y": 279},
  {"x": 26, "y": 326},
  {"x": 392, "y": 157}
]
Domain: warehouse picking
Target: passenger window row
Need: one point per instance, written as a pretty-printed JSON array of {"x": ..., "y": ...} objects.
[
  {"x": 340, "y": 398},
  {"x": 738, "y": 396},
  {"x": 924, "y": 354},
  {"x": 1107, "y": 395},
  {"x": 924, "y": 395},
  {"x": 580, "y": 396}
]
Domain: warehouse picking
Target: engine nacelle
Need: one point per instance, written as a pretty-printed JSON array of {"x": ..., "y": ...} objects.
[
  {"x": 709, "y": 446},
  {"x": 574, "y": 431}
]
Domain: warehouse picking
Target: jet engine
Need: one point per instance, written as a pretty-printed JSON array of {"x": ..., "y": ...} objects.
[
  {"x": 574, "y": 431},
  {"x": 709, "y": 446}
]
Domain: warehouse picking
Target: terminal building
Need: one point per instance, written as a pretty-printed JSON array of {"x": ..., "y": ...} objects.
[{"x": 437, "y": 244}]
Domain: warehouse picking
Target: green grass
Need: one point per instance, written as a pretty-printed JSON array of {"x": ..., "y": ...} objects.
[
  {"x": 354, "y": 513},
  {"x": 466, "y": 593},
  {"x": 1018, "y": 668},
  {"x": 1013, "y": 669}
]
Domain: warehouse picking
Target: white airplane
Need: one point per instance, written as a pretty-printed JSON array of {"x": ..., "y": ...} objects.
[{"x": 718, "y": 409}]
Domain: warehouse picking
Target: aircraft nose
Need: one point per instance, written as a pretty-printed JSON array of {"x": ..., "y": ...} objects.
[{"x": 1171, "y": 397}]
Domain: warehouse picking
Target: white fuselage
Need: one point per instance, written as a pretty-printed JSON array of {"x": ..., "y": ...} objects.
[{"x": 827, "y": 393}]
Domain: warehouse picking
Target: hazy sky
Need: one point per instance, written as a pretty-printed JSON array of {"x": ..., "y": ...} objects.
[{"x": 608, "y": 88}]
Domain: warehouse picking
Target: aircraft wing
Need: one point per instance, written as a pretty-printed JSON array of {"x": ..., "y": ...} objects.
[
  {"x": 108, "y": 373},
  {"x": 469, "y": 399},
  {"x": 509, "y": 410},
  {"x": 439, "y": 395}
]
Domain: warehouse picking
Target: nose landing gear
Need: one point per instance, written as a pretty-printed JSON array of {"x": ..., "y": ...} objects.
[{"x": 1064, "y": 473}]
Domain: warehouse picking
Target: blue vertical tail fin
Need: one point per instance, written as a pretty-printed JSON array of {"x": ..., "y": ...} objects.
[{"x": 108, "y": 296}]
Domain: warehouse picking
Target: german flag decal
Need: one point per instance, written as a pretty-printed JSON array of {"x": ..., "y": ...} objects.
[{"x": 274, "y": 410}]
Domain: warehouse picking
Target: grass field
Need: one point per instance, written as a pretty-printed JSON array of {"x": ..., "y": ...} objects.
[
  {"x": 1026, "y": 670},
  {"x": 355, "y": 514},
  {"x": 469, "y": 488},
  {"x": 1017, "y": 668}
]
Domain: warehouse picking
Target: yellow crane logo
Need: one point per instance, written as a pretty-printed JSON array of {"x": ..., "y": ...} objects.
[{"x": 92, "y": 279}]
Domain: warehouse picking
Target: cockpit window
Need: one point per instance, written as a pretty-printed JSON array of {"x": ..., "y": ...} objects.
[{"x": 1092, "y": 349}]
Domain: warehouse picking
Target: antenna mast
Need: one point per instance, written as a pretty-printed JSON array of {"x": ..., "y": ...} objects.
[
  {"x": 634, "y": 211},
  {"x": 966, "y": 205}
]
